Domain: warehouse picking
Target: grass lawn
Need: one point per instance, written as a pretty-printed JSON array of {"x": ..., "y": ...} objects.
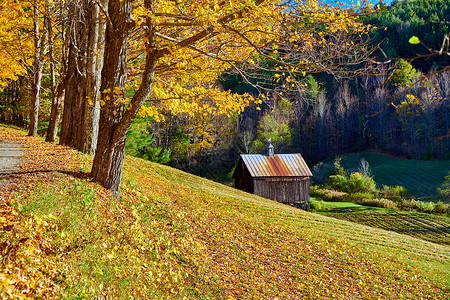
[
  {"x": 331, "y": 206},
  {"x": 420, "y": 177}
]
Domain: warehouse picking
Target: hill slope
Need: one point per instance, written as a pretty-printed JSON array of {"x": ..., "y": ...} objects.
[{"x": 173, "y": 235}]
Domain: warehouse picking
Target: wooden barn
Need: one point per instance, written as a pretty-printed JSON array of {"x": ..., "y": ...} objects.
[{"x": 280, "y": 177}]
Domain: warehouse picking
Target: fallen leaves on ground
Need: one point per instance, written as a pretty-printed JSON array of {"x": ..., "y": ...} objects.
[{"x": 174, "y": 235}]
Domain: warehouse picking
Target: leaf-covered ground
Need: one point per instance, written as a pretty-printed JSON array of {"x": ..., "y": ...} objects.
[{"x": 174, "y": 235}]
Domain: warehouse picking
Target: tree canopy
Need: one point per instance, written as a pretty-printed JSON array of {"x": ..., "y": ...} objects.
[
  {"x": 16, "y": 44},
  {"x": 125, "y": 56}
]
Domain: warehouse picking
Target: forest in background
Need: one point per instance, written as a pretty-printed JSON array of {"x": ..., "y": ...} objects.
[
  {"x": 382, "y": 111},
  {"x": 402, "y": 108}
]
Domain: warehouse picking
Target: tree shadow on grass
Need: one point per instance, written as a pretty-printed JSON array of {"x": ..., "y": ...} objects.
[{"x": 15, "y": 174}]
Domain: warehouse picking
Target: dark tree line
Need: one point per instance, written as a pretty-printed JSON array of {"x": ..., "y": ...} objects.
[{"x": 429, "y": 20}]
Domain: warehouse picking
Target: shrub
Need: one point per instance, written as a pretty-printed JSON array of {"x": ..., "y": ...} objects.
[
  {"x": 314, "y": 189},
  {"x": 338, "y": 169},
  {"x": 360, "y": 183},
  {"x": 327, "y": 194},
  {"x": 379, "y": 202},
  {"x": 428, "y": 207},
  {"x": 338, "y": 182},
  {"x": 444, "y": 190},
  {"x": 409, "y": 204},
  {"x": 355, "y": 197},
  {"x": 317, "y": 205},
  {"x": 441, "y": 208},
  {"x": 395, "y": 193}
]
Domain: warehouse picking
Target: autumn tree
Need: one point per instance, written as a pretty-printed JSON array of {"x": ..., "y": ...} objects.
[
  {"x": 57, "y": 60},
  {"x": 16, "y": 47},
  {"x": 184, "y": 44},
  {"x": 169, "y": 54},
  {"x": 40, "y": 34}
]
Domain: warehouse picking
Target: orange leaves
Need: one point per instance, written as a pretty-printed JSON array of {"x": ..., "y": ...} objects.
[{"x": 28, "y": 269}]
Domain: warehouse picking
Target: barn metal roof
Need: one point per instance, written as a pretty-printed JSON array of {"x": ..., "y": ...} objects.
[{"x": 279, "y": 165}]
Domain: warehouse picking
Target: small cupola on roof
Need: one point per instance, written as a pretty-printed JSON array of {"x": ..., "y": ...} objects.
[{"x": 270, "y": 150}]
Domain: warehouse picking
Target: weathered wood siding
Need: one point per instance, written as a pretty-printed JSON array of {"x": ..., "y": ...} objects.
[
  {"x": 292, "y": 190},
  {"x": 243, "y": 179}
]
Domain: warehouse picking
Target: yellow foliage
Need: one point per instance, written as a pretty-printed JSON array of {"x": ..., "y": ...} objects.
[
  {"x": 198, "y": 40},
  {"x": 16, "y": 46}
]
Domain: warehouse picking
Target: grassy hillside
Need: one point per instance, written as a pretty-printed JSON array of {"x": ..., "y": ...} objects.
[
  {"x": 420, "y": 177},
  {"x": 174, "y": 235}
]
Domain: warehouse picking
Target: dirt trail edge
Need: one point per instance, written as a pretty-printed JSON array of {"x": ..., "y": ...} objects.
[{"x": 10, "y": 154}]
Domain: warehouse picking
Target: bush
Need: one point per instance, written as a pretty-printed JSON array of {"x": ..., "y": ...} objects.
[
  {"x": 428, "y": 207},
  {"x": 444, "y": 190},
  {"x": 379, "y": 202},
  {"x": 328, "y": 195},
  {"x": 409, "y": 204},
  {"x": 338, "y": 169},
  {"x": 338, "y": 182},
  {"x": 314, "y": 189},
  {"x": 359, "y": 183},
  {"x": 395, "y": 193},
  {"x": 441, "y": 208},
  {"x": 355, "y": 197},
  {"x": 317, "y": 205}
]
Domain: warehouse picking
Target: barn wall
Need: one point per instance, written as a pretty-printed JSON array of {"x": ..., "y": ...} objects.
[
  {"x": 294, "y": 191},
  {"x": 243, "y": 180}
]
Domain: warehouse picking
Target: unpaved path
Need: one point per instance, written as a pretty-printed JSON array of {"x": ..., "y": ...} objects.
[{"x": 10, "y": 154}]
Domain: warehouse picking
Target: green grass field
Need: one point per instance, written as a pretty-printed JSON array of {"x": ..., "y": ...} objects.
[
  {"x": 428, "y": 227},
  {"x": 421, "y": 178},
  {"x": 173, "y": 235}
]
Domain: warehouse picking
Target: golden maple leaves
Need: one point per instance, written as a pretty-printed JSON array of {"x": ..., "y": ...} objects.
[
  {"x": 199, "y": 40},
  {"x": 15, "y": 44}
]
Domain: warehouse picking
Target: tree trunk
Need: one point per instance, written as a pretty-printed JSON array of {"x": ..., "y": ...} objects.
[
  {"x": 108, "y": 159},
  {"x": 75, "y": 95},
  {"x": 38, "y": 64},
  {"x": 93, "y": 77},
  {"x": 115, "y": 117},
  {"x": 80, "y": 118},
  {"x": 55, "y": 114},
  {"x": 35, "y": 97},
  {"x": 97, "y": 75},
  {"x": 57, "y": 91}
]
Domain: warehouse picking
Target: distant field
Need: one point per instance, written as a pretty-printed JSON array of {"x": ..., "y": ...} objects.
[
  {"x": 428, "y": 227},
  {"x": 421, "y": 178}
]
